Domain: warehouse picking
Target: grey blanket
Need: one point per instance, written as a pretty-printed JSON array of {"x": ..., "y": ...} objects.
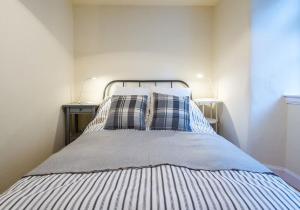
[{"x": 105, "y": 150}]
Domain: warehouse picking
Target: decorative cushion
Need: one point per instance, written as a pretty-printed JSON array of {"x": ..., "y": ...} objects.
[
  {"x": 170, "y": 113},
  {"x": 127, "y": 112}
]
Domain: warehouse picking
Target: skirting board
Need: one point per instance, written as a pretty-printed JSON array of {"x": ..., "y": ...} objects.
[{"x": 290, "y": 177}]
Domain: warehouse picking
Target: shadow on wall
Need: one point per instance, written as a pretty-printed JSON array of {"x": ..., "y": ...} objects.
[
  {"x": 143, "y": 42},
  {"x": 275, "y": 37},
  {"x": 267, "y": 116},
  {"x": 134, "y": 65},
  {"x": 165, "y": 30},
  {"x": 228, "y": 125},
  {"x": 55, "y": 16},
  {"x": 58, "y": 143},
  {"x": 49, "y": 21},
  {"x": 270, "y": 9}
]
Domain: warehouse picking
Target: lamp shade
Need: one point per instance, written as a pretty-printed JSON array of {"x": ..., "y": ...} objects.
[{"x": 89, "y": 92}]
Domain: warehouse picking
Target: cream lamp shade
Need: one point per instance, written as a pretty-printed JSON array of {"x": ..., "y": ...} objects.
[{"x": 89, "y": 91}]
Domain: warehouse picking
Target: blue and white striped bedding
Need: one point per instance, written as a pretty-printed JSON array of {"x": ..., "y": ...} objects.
[{"x": 160, "y": 187}]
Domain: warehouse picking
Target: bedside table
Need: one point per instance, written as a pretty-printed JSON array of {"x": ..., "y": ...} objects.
[
  {"x": 212, "y": 105},
  {"x": 76, "y": 109}
]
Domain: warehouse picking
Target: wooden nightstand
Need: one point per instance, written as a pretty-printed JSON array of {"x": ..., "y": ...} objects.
[
  {"x": 76, "y": 109},
  {"x": 210, "y": 105}
]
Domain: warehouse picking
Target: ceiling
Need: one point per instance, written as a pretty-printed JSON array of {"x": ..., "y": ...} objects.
[{"x": 147, "y": 2}]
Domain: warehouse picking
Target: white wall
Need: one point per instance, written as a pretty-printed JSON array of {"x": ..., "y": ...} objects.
[
  {"x": 292, "y": 157},
  {"x": 144, "y": 42},
  {"x": 275, "y": 70},
  {"x": 257, "y": 61},
  {"x": 232, "y": 67},
  {"x": 36, "y": 65}
]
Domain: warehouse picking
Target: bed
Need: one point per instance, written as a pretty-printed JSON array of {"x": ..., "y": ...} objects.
[{"x": 150, "y": 169}]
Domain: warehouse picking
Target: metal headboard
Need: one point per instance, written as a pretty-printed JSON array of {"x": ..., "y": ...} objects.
[{"x": 140, "y": 82}]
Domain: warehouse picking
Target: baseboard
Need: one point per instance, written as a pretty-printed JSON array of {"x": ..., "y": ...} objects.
[{"x": 287, "y": 175}]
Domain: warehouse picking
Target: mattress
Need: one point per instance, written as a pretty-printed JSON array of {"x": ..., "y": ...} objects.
[{"x": 150, "y": 170}]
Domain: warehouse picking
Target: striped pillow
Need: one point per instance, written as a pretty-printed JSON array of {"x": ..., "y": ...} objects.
[
  {"x": 170, "y": 113},
  {"x": 127, "y": 112}
]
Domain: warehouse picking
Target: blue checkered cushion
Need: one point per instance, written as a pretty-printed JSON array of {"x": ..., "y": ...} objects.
[
  {"x": 170, "y": 113},
  {"x": 127, "y": 112}
]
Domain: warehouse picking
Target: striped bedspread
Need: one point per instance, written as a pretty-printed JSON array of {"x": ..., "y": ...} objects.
[{"x": 160, "y": 187}]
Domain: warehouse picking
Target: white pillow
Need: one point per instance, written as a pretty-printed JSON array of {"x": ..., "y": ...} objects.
[
  {"x": 132, "y": 91},
  {"x": 176, "y": 91}
]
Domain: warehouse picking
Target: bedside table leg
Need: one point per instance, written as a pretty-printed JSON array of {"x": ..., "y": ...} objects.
[
  {"x": 76, "y": 123},
  {"x": 67, "y": 128},
  {"x": 94, "y": 112}
]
